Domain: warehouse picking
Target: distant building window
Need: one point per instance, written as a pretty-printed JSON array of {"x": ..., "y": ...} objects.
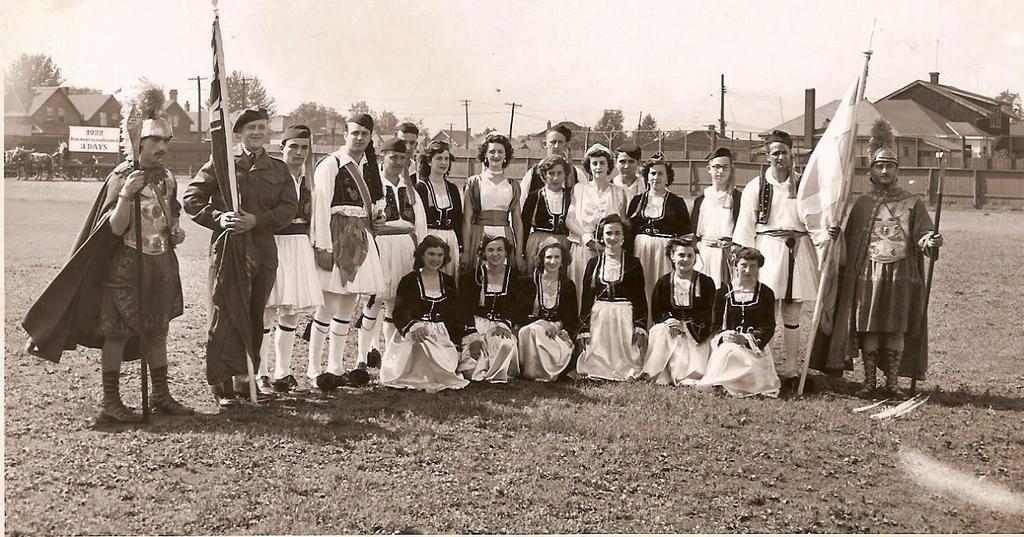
[
  {"x": 997, "y": 120},
  {"x": 906, "y": 151},
  {"x": 174, "y": 121},
  {"x": 60, "y": 114},
  {"x": 103, "y": 119},
  {"x": 49, "y": 113},
  {"x": 114, "y": 118}
]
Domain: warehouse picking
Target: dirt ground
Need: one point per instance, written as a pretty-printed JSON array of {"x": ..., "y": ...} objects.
[{"x": 522, "y": 458}]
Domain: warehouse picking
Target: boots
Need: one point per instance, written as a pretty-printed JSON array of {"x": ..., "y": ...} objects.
[
  {"x": 892, "y": 371},
  {"x": 112, "y": 409},
  {"x": 870, "y": 378},
  {"x": 162, "y": 401}
]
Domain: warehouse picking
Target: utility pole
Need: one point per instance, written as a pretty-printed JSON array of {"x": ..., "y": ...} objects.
[
  {"x": 512, "y": 120},
  {"x": 199, "y": 104},
  {"x": 469, "y": 159},
  {"x": 721, "y": 109}
]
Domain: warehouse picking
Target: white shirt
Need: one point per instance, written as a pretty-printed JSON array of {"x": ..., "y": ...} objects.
[
  {"x": 782, "y": 214},
  {"x": 589, "y": 205},
  {"x": 323, "y": 193}
]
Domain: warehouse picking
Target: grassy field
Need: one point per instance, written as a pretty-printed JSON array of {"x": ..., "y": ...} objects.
[{"x": 524, "y": 458}]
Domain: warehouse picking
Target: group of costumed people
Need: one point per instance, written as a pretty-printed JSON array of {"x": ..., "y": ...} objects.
[{"x": 567, "y": 273}]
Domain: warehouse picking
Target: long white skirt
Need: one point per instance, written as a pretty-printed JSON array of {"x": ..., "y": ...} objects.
[
  {"x": 710, "y": 262},
  {"x": 296, "y": 284},
  {"x": 542, "y": 357},
  {"x": 369, "y": 278},
  {"x": 675, "y": 360},
  {"x": 611, "y": 354},
  {"x": 497, "y": 362},
  {"x": 429, "y": 366},
  {"x": 775, "y": 271},
  {"x": 396, "y": 260},
  {"x": 741, "y": 371},
  {"x": 651, "y": 253},
  {"x": 580, "y": 256},
  {"x": 452, "y": 240}
]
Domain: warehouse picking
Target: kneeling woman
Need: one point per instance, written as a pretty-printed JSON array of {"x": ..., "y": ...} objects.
[
  {"x": 614, "y": 317},
  {"x": 682, "y": 311},
  {"x": 492, "y": 306},
  {"x": 545, "y": 342},
  {"x": 422, "y": 355},
  {"x": 741, "y": 361}
]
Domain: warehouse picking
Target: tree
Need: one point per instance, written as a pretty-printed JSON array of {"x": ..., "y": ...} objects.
[
  {"x": 82, "y": 90},
  {"x": 385, "y": 123},
  {"x": 610, "y": 125},
  {"x": 247, "y": 91},
  {"x": 646, "y": 134},
  {"x": 319, "y": 118},
  {"x": 359, "y": 108},
  {"x": 30, "y": 70},
  {"x": 1012, "y": 101}
]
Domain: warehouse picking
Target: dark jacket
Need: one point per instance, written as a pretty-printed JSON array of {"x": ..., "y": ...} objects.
[
  {"x": 756, "y": 317},
  {"x": 412, "y": 305},
  {"x": 629, "y": 289},
  {"x": 506, "y": 306},
  {"x": 674, "y": 221},
  {"x": 697, "y": 315},
  {"x": 565, "y": 309}
]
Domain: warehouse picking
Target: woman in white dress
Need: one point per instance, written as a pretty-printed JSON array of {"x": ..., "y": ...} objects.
[
  {"x": 677, "y": 353},
  {"x": 741, "y": 361},
  {"x": 714, "y": 217},
  {"x": 491, "y": 207},
  {"x": 493, "y": 308},
  {"x": 613, "y": 329},
  {"x": 546, "y": 340},
  {"x": 442, "y": 202},
  {"x": 655, "y": 217},
  {"x": 421, "y": 354},
  {"x": 592, "y": 201}
]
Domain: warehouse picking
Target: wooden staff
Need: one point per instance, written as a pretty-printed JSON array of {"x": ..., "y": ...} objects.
[
  {"x": 934, "y": 255},
  {"x": 140, "y": 303}
]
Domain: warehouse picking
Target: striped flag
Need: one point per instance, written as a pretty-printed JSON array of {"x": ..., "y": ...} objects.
[
  {"x": 828, "y": 176},
  {"x": 220, "y": 119}
]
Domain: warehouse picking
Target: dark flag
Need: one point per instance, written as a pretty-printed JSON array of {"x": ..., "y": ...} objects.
[{"x": 234, "y": 263}]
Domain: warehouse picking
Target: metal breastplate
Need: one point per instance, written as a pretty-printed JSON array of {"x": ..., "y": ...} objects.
[
  {"x": 888, "y": 233},
  {"x": 155, "y": 225}
]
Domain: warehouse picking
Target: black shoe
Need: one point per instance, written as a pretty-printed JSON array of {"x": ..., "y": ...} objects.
[
  {"x": 373, "y": 358},
  {"x": 285, "y": 385},
  {"x": 115, "y": 411},
  {"x": 326, "y": 382},
  {"x": 357, "y": 378}
]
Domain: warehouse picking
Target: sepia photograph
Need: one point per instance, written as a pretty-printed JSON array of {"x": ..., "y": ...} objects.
[{"x": 327, "y": 267}]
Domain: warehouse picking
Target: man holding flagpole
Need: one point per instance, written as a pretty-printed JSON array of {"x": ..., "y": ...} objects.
[
  {"x": 267, "y": 202},
  {"x": 768, "y": 221},
  {"x": 880, "y": 308}
]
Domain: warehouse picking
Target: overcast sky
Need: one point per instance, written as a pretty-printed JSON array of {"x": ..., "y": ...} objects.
[{"x": 560, "y": 59}]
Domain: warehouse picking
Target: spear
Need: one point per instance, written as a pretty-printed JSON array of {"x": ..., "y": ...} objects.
[{"x": 934, "y": 255}]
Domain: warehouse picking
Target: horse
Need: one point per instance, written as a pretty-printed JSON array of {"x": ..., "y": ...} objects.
[
  {"x": 39, "y": 162},
  {"x": 68, "y": 168},
  {"x": 18, "y": 157}
]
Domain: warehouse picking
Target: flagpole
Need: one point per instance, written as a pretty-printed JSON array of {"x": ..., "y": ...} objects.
[
  {"x": 931, "y": 264},
  {"x": 232, "y": 199},
  {"x": 829, "y": 257}
]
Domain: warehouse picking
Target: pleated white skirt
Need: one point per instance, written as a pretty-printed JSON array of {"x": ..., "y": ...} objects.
[
  {"x": 611, "y": 354},
  {"x": 741, "y": 371},
  {"x": 651, "y": 253},
  {"x": 542, "y": 357},
  {"x": 675, "y": 360},
  {"x": 429, "y": 366},
  {"x": 296, "y": 284},
  {"x": 775, "y": 271},
  {"x": 396, "y": 260},
  {"x": 369, "y": 278}
]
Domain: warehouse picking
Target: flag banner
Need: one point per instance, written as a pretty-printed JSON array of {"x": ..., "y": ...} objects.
[{"x": 231, "y": 335}]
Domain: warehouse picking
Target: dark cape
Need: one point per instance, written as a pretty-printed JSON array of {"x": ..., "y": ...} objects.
[
  {"x": 834, "y": 344},
  {"x": 67, "y": 313}
]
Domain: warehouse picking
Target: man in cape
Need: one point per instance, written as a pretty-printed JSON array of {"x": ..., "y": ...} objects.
[
  {"x": 240, "y": 285},
  {"x": 95, "y": 299},
  {"x": 880, "y": 308}
]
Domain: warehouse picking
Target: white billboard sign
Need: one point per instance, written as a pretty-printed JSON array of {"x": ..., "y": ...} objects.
[{"x": 93, "y": 139}]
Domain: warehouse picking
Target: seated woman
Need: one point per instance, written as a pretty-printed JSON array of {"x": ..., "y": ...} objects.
[
  {"x": 441, "y": 200},
  {"x": 547, "y": 209},
  {"x": 656, "y": 216},
  {"x": 491, "y": 205},
  {"x": 545, "y": 342},
  {"x": 614, "y": 318},
  {"x": 422, "y": 355},
  {"x": 492, "y": 308},
  {"x": 741, "y": 361},
  {"x": 677, "y": 352}
]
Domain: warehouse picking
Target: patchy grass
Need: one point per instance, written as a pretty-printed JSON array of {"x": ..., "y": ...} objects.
[{"x": 524, "y": 458}]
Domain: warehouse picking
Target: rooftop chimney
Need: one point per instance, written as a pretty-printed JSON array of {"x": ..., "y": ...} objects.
[
  {"x": 809, "y": 118},
  {"x": 174, "y": 95},
  {"x": 934, "y": 75}
]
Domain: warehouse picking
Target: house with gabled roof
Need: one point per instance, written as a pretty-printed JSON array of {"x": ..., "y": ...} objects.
[
  {"x": 97, "y": 109},
  {"x": 41, "y": 110}
]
